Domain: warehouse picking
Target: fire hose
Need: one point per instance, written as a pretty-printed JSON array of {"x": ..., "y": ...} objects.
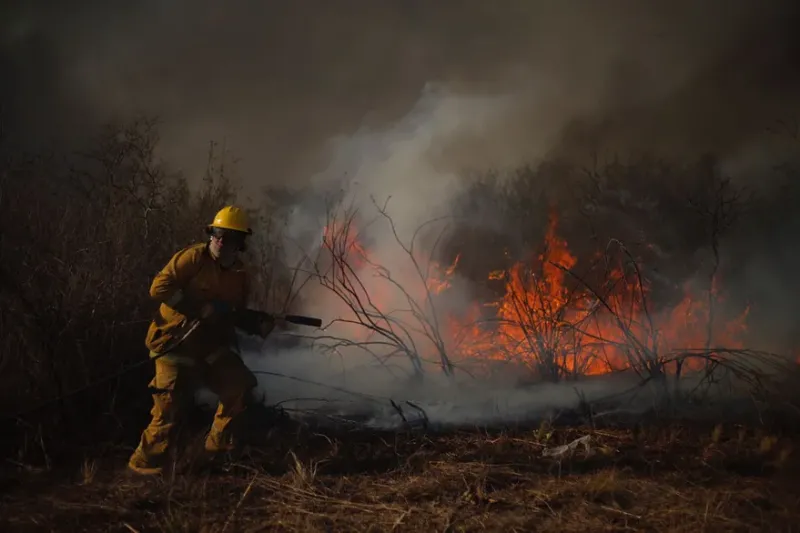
[{"x": 248, "y": 318}]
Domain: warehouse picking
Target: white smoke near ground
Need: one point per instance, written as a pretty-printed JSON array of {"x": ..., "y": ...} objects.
[{"x": 307, "y": 383}]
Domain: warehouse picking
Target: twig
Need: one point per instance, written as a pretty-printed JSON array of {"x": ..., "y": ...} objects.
[
  {"x": 400, "y": 412},
  {"x": 421, "y": 410},
  {"x": 332, "y": 387},
  {"x": 620, "y": 511},
  {"x": 239, "y": 503}
]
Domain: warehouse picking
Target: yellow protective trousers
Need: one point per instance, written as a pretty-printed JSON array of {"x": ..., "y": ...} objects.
[{"x": 174, "y": 384}]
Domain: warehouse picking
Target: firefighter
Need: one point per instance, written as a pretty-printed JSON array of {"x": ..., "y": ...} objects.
[{"x": 199, "y": 291}]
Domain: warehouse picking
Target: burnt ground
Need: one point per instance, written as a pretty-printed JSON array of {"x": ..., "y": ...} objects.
[{"x": 667, "y": 477}]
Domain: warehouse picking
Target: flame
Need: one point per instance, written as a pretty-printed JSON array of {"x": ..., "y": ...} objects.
[
  {"x": 560, "y": 329},
  {"x": 557, "y": 326},
  {"x": 439, "y": 284}
]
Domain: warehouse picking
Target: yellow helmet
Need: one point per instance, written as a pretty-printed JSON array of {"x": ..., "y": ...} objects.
[{"x": 232, "y": 218}]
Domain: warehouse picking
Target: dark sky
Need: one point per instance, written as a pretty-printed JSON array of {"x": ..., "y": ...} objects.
[{"x": 275, "y": 80}]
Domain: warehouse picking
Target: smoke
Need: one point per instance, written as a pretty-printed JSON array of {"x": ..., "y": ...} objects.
[
  {"x": 410, "y": 170},
  {"x": 396, "y": 179},
  {"x": 276, "y": 81},
  {"x": 392, "y": 100},
  {"x": 306, "y": 383}
]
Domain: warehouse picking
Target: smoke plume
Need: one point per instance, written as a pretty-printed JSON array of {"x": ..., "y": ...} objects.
[
  {"x": 278, "y": 80},
  {"x": 392, "y": 100}
]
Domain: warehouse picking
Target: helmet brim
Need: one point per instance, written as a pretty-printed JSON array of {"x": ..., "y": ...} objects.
[{"x": 247, "y": 231}]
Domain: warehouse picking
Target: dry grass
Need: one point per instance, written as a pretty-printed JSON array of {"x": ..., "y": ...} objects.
[{"x": 675, "y": 478}]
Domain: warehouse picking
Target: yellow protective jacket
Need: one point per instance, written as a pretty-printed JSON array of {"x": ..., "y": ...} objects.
[{"x": 191, "y": 279}]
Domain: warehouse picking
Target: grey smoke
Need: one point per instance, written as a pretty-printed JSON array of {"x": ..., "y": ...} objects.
[{"x": 278, "y": 80}]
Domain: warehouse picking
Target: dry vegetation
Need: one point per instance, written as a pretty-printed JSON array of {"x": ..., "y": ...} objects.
[
  {"x": 82, "y": 238},
  {"x": 671, "y": 477}
]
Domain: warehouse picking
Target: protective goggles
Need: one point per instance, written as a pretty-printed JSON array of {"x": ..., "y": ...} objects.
[{"x": 228, "y": 236}]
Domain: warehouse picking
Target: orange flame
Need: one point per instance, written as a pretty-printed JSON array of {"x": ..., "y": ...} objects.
[
  {"x": 552, "y": 323},
  {"x": 561, "y": 330}
]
